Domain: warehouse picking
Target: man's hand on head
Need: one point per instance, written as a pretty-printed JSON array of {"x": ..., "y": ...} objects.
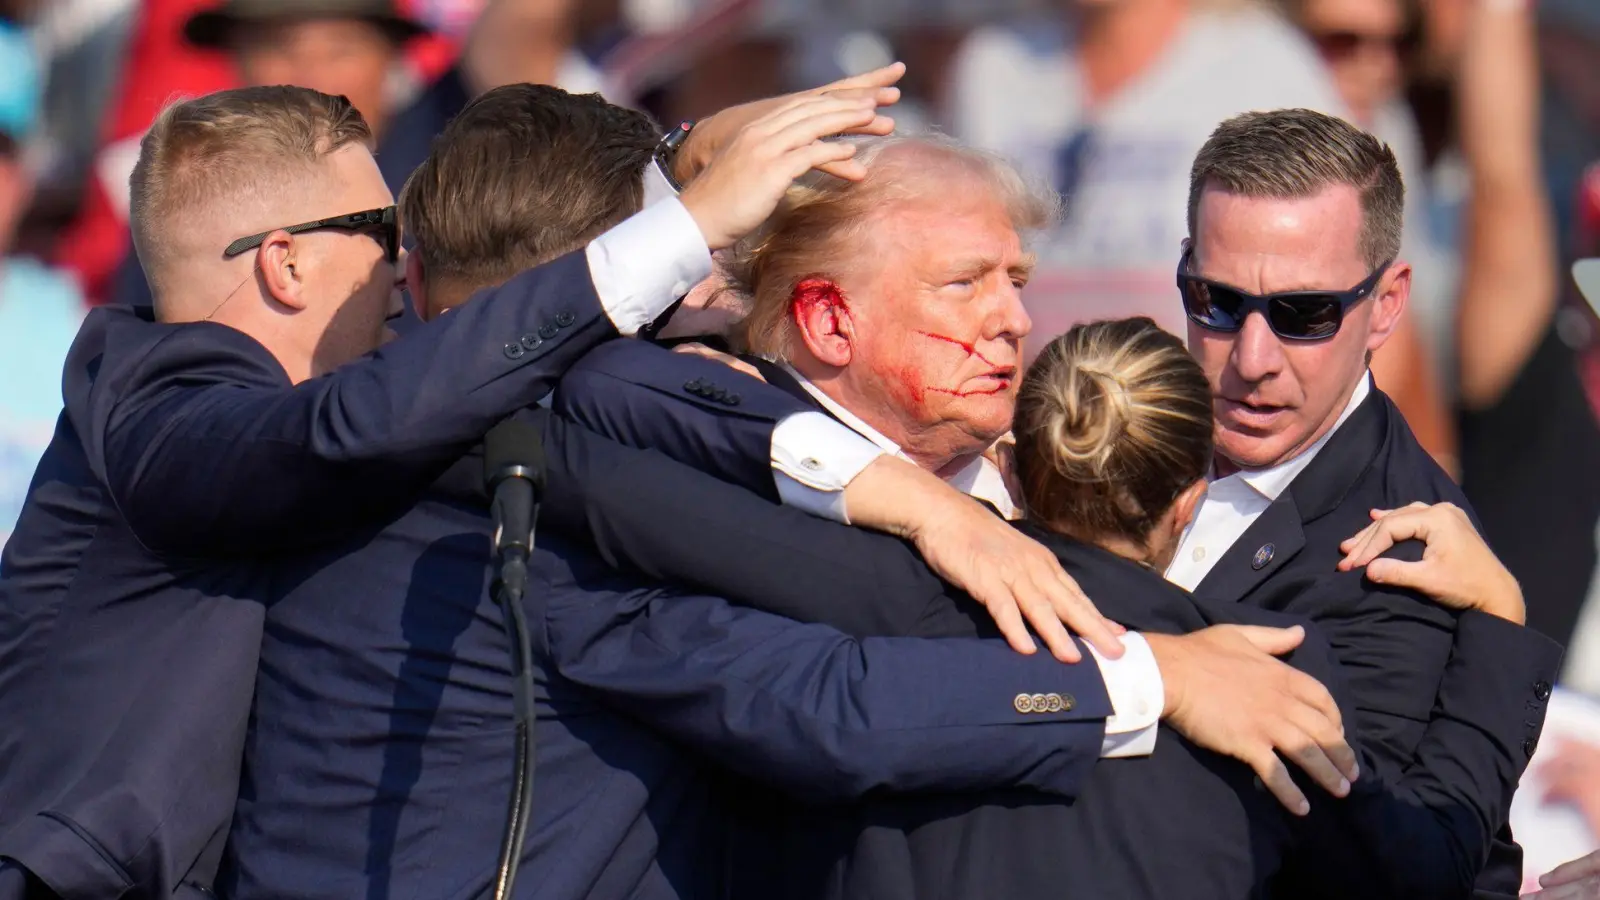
[
  {"x": 1457, "y": 568},
  {"x": 1016, "y": 579},
  {"x": 745, "y": 181},
  {"x": 711, "y": 136},
  {"x": 1226, "y": 692}
]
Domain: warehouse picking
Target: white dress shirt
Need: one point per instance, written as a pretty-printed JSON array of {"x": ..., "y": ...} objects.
[
  {"x": 1233, "y": 503},
  {"x": 645, "y": 263},
  {"x": 814, "y": 458}
]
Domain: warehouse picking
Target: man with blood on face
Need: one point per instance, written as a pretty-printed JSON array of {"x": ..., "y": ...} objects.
[{"x": 915, "y": 325}]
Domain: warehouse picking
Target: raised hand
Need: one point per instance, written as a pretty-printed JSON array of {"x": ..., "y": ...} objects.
[
  {"x": 1226, "y": 692},
  {"x": 743, "y": 184},
  {"x": 711, "y": 136}
]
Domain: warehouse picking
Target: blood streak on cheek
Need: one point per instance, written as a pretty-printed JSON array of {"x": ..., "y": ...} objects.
[{"x": 971, "y": 349}]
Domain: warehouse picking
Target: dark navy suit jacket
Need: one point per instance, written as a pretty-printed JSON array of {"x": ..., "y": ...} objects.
[
  {"x": 132, "y": 591},
  {"x": 1482, "y": 671},
  {"x": 379, "y": 762}
]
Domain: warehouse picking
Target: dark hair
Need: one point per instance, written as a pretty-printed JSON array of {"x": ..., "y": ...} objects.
[
  {"x": 1296, "y": 153},
  {"x": 524, "y": 174},
  {"x": 1113, "y": 423}
]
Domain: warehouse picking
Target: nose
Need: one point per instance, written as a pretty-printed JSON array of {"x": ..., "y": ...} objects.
[
  {"x": 1011, "y": 319},
  {"x": 1257, "y": 352}
]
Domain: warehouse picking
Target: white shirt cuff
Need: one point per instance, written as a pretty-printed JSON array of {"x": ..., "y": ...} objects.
[
  {"x": 643, "y": 265},
  {"x": 814, "y": 459},
  {"x": 1137, "y": 698},
  {"x": 657, "y": 186}
]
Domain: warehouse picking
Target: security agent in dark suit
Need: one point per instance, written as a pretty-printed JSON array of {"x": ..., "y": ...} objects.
[
  {"x": 634, "y": 677},
  {"x": 1272, "y": 374},
  {"x": 195, "y": 447},
  {"x": 1423, "y": 834}
]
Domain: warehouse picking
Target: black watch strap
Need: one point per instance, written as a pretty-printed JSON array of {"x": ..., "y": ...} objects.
[{"x": 667, "y": 150}]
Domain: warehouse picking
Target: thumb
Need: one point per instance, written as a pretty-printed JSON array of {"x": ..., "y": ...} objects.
[
  {"x": 1275, "y": 641},
  {"x": 1397, "y": 572}
]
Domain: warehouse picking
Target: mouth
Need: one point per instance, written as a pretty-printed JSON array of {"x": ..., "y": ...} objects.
[
  {"x": 999, "y": 378},
  {"x": 1255, "y": 416}
]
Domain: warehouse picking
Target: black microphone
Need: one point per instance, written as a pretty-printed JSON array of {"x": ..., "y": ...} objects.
[{"x": 513, "y": 476}]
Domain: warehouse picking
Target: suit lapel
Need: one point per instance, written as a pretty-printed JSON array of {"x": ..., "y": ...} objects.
[
  {"x": 779, "y": 377},
  {"x": 1279, "y": 534},
  {"x": 1264, "y": 548}
]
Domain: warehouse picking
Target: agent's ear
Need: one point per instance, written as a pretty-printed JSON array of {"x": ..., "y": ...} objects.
[
  {"x": 1389, "y": 302},
  {"x": 280, "y": 270},
  {"x": 417, "y": 285},
  {"x": 822, "y": 316}
]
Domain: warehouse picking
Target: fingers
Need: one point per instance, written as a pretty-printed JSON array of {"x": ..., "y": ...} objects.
[
  {"x": 1079, "y": 613},
  {"x": 1400, "y": 573},
  {"x": 881, "y": 77},
  {"x": 1409, "y": 524},
  {"x": 1321, "y": 740},
  {"x": 1275, "y": 641},
  {"x": 810, "y": 118},
  {"x": 1047, "y": 621},
  {"x": 1008, "y": 618},
  {"x": 1569, "y": 872},
  {"x": 822, "y": 153},
  {"x": 1583, "y": 889},
  {"x": 1274, "y": 776}
]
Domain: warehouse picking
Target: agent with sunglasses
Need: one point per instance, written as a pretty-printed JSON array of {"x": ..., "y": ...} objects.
[{"x": 1290, "y": 282}]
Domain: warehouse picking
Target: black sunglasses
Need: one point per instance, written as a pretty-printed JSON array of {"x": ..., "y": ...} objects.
[
  {"x": 1293, "y": 315},
  {"x": 362, "y": 221}
]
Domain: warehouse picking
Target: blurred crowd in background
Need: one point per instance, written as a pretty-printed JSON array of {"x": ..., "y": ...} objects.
[{"x": 1498, "y": 135}]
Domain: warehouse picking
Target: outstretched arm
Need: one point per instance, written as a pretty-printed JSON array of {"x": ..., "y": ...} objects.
[{"x": 816, "y": 712}]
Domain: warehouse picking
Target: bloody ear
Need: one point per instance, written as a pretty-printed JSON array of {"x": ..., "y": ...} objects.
[{"x": 821, "y": 314}]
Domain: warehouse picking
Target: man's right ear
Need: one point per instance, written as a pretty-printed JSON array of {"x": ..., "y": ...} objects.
[
  {"x": 417, "y": 285},
  {"x": 821, "y": 315}
]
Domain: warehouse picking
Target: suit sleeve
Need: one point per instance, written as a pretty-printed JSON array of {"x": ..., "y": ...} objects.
[
  {"x": 209, "y": 450},
  {"x": 1426, "y": 825},
  {"x": 813, "y": 711},
  {"x": 649, "y": 514},
  {"x": 706, "y": 415}
]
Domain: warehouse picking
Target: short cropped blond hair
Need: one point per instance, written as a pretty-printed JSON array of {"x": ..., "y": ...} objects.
[
  {"x": 222, "y": 150},
  {"x": 823, "y": 220}
]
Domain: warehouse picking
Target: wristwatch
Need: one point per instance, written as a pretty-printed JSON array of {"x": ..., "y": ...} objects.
[{"x": 667, "y": 151}]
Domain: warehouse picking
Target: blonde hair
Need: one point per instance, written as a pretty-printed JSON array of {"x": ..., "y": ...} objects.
[
  {"x": 1113, "y": 423},
  {"x": 822, "y": 221},
  {"x": 220, "y": 152}
]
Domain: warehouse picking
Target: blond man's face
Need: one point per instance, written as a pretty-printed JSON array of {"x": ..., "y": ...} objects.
[{"x": 352, "y": 289}]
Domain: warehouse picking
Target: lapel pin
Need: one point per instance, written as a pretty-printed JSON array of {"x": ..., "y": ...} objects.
[{"x": 1262, "y": 557}]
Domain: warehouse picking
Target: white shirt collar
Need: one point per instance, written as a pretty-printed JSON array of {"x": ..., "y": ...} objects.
[
  {"x": 979, "y": 478},
  {"x": 1272, "y": 481}
]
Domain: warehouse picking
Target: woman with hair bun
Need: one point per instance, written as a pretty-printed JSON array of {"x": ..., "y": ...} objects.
[{"x": 1114, "y": 438}]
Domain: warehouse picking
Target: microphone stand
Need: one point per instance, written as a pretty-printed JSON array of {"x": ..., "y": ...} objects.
[{"x": 515, "y": 508}]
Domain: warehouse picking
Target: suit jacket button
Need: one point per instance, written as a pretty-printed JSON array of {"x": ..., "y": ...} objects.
[
  {"x": 531, "y": 341},
  {"x": 1529, "y": 745},
  {"x": 1023, "y": 703},
  {"x": 548, "y": 330},
  {"x": 565, "y": 319},
  {"x": 731, "y": 399},
  {"x": 514, "y": 351},
  {"x": 1040, "y": 704},
  {"x": 1053, "y": 703},
  {"x": 1542, "y": 690}
]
